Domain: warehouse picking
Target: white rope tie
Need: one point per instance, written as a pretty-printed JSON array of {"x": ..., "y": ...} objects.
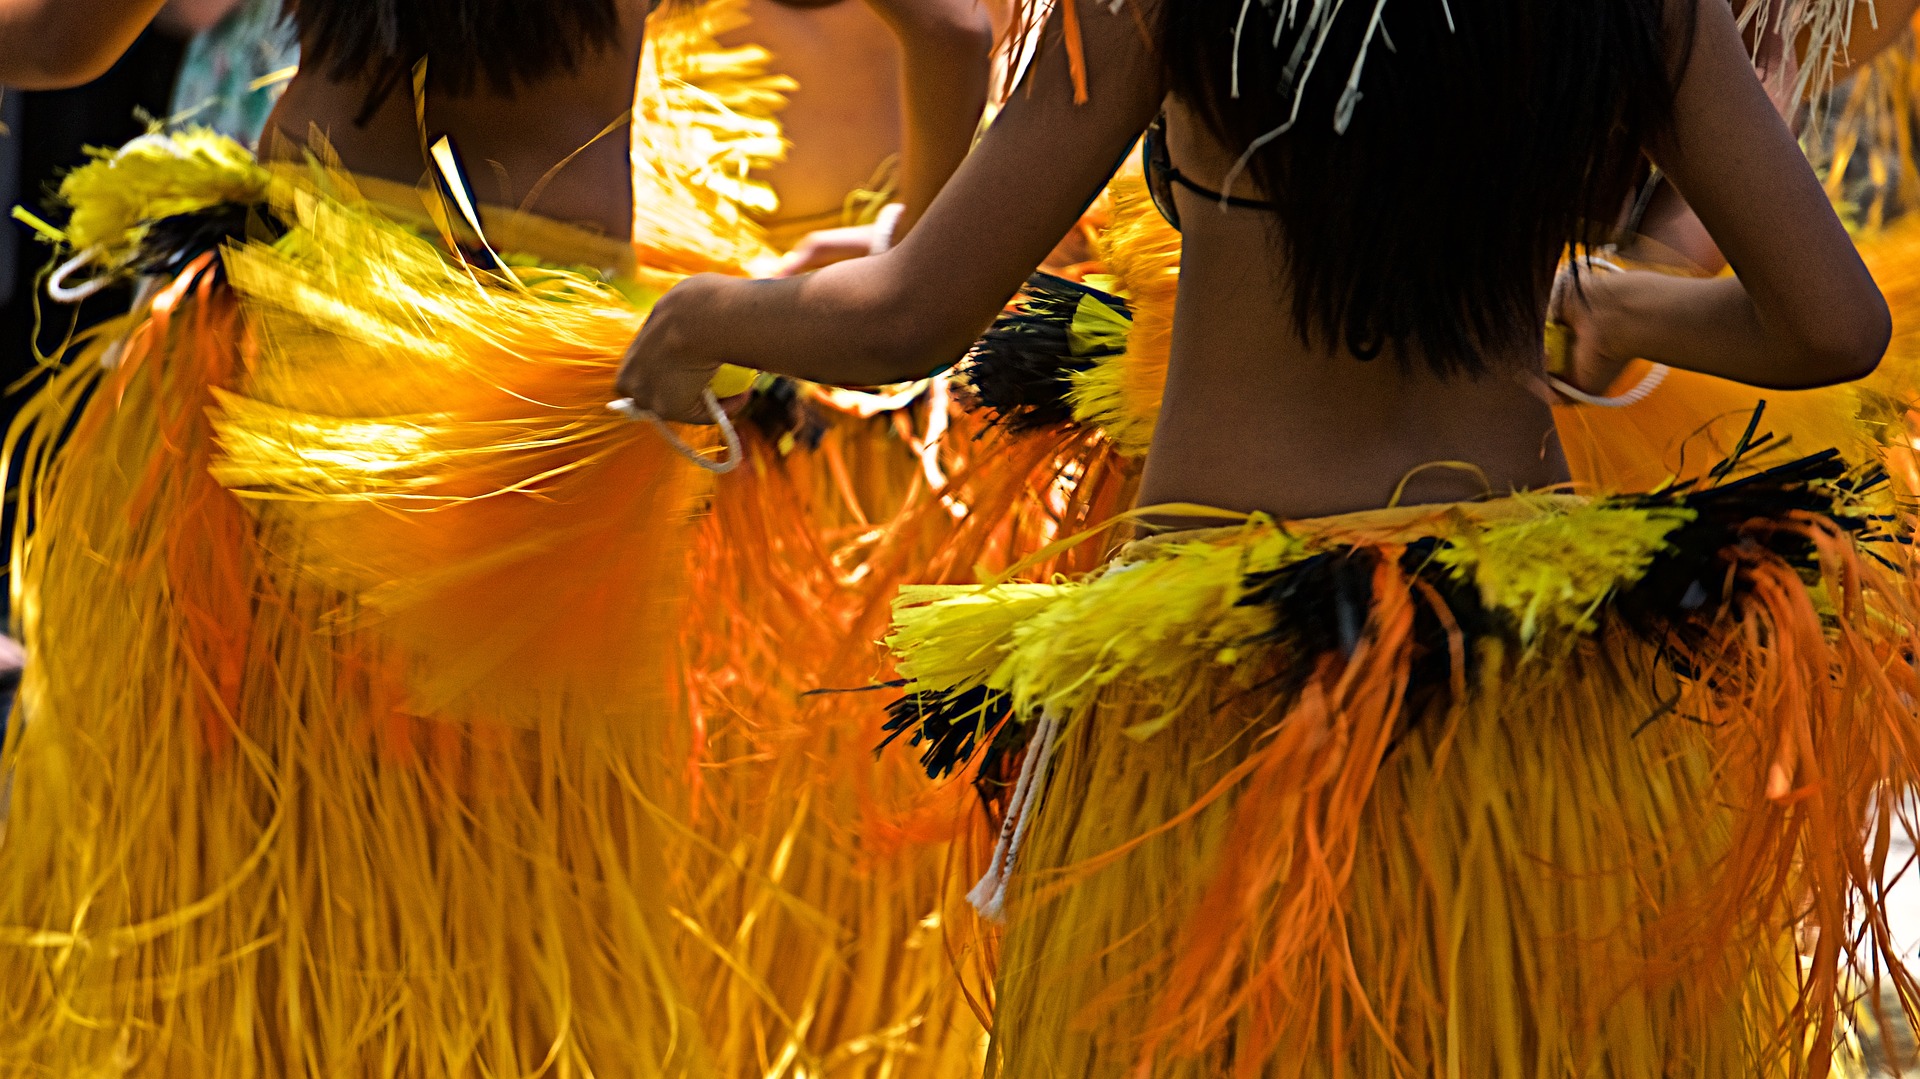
[
  {"x": 989, "y": 897},
  {"x": 626, "y": 407},
  {"x": 1641, "y": 390},
  {"x": 61, "y": 292}
]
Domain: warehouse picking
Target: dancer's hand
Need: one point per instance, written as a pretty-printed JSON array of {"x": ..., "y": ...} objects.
[
  {"x": 667, "y": 370},
  {"x": 826, "y": 247},
  {"x": 1578, "y": 352}
]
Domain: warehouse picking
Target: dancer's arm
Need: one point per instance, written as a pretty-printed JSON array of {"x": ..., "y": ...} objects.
[
  {"x": 189, "y": 17},
  {"x": 918, "y": 307},
  {"x": 1669, "y": 233},
  {"x": 1801, "y": 312},
  {"x": 53, "y": 44},
  {"x": 946, "y": 49}
]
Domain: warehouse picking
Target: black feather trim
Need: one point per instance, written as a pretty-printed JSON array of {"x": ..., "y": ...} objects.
[
  {"x": 777, "y": 409},
  {"x": 171, "y": 243},
  {"x": 1321, "y": 605},
  {"x": 946, "y": 726},
  {"x": 1022, "y": 370},
  {"x": 1690, "y": 577}
]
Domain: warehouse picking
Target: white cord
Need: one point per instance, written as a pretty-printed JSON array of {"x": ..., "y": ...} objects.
[
  {"x": 57, "y": 282},
  {"x": 989, "y": 897},
  {"x": 1641, "y": 390},
  {"x": 885, "y": 224},
  {"x": 626, "y": 407}
]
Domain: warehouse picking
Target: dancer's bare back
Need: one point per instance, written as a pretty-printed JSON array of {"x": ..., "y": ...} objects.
[{"x": 509, "y": 142}]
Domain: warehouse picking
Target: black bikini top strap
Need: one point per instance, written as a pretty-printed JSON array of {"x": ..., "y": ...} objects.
[
  {"x": 1235, "y": 201},
  {"x": 1157, "y": 162}
]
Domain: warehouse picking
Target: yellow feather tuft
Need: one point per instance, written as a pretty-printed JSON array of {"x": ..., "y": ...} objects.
[
  {"x": 1121, "y": 394},
  {"x": 120, "y": 192},
  {"x": 956, "y": 637},
  {"x": 1553, "y": 571}
]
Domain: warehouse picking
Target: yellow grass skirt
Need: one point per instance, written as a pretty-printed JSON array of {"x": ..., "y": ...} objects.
[
  {"x": 261, "y": 824},
  {"x": 1538, "y": 787},
  {"x": 388, "y": 716}
]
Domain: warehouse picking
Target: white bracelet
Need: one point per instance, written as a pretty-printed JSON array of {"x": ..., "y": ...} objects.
[{"x": 884, "y": 225}]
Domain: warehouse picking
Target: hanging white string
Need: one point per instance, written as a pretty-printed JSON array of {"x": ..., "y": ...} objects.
[
  {"x": 1239, "y": 25},
  {"x": 1318, "y": 28},
  {"x": 1350, "y": 97},
  {"x": 61, "y": 292},
  {"x": 626, "y": 407},
  {"x": 989, "y": 897}
]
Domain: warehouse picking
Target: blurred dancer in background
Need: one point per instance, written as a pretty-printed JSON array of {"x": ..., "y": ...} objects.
[{"x": 442, "y": 687}]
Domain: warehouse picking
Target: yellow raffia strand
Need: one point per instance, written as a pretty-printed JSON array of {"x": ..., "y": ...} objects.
[
  {"x": 1580, "y": 861},
  {"x": 117, "y": 194},
  {"x": 434, "y": 444},
  {"x": 398, "y": 774},
  {"x": 1121, "y": 394},
  {"x": 703, "y": 127},
  {"x": 1056, "y": 646},
  {"x": 1552, "y": 572},
  {"x": 1550, "y": 562},
  {"x": 955, "y": 637},
  {"x": 278, "y": 837}
]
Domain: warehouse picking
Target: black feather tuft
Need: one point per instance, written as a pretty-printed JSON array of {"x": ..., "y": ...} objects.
[
  {"x": 946, "y": 725},
  {"x": 1022, "y": 370},
  {"x": 1322, "y": 605},
  {"x": 171, "y": 243},
  {"x": 1692, "y": 574},
  {"x": 778, "y": 410}
]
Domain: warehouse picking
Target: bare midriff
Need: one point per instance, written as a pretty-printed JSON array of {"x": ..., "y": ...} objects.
[
  {"x": 843, "y": 122},
  {"x": 1254, "y": 419}
]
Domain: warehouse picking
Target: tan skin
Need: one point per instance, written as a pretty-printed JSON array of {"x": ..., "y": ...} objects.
[
  {"x": 935, "y": 49},
  {"x": 877, "y": 79},
  {"x": 508, "y": 141},
  {"x": 1677, "y": 237},
  {"x": 53, "y": 44},
  {"x": 843, "y": 121},
  {"x": 1252, "y": 419}
]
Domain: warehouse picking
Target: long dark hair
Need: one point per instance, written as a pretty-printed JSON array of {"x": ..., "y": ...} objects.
[
  {"x": 1425, "y": 205},
  {"x": 468, "y": 44}
]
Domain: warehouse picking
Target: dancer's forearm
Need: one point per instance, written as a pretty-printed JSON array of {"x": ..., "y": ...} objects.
[
  {"x": 945, "y": 50},
  {"x": 53, "y": 44},
  {"x": 1714, "y": 327}
]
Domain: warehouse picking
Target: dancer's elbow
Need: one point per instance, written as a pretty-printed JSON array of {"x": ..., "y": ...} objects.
[{"x": 1849, "y": 349}]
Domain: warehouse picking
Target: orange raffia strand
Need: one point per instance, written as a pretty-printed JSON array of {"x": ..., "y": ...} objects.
[{"x": 1076, "y": 49}]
